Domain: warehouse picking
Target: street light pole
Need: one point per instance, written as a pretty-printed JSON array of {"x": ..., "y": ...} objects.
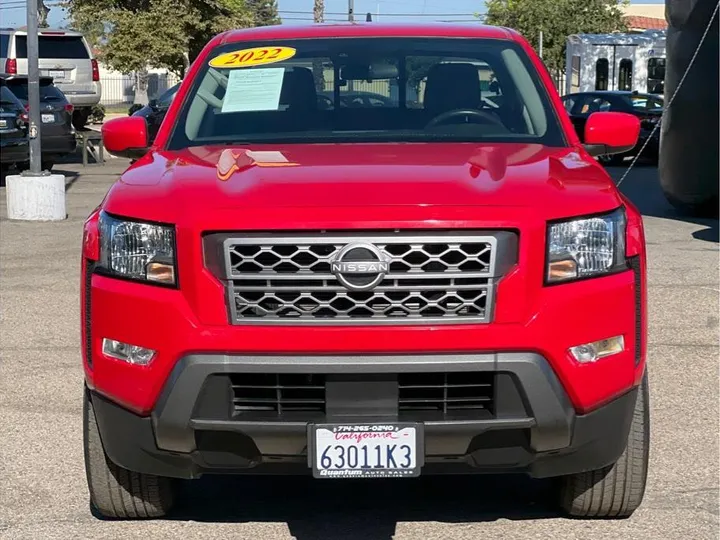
[
  {"x": 33, "y": 88},
  {"x": 34, "y": 195},
  {"x": 351, "y": 10}
]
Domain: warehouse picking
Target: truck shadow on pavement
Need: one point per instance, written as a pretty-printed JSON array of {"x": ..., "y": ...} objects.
[{"x": 367, "y": 510}]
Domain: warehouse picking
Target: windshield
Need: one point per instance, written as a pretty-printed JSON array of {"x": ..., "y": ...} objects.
[{"x": 369, "y": 90}]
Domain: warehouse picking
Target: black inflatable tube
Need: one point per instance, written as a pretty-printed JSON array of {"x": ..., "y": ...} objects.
[{"x": 688, "y": 163}]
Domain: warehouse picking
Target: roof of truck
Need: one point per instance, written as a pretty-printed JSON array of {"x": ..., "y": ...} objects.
[{"x": 369, "y": 29}]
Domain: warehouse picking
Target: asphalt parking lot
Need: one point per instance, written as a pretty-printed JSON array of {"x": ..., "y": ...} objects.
[{"x": 43, "y": 494}]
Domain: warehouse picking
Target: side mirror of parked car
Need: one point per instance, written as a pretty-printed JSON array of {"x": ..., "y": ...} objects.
[
  {"x": 126, "y": 136},
  {"x": 611, "y": 133}
]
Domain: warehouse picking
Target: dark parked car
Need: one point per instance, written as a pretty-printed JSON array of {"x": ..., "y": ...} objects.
[
  {"x": 647, "y": 107},
  {"x": 155, "y": 110},
  {"x": 13, "y": 128},
  {"x": 57, "y": 134}
]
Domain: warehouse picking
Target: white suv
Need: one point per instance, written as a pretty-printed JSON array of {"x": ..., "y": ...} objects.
[{"x": 66, "y": 57}]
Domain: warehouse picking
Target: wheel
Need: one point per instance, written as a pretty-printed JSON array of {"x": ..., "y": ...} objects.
[
  {"x": 615, "y": 491},
  {"x": 704, "y": 209},
  {"x": 116, "y": 492},
  {"x": 80, "y": 118}
]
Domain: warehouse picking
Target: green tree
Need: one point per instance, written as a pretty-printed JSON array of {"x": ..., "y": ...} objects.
[
  {"x": 557, "y": 19},
  {"x": 138, "y": 34},
  {"x": 264, "y": 12}
]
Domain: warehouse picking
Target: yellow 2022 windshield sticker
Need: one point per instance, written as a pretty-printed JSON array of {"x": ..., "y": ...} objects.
[{"x": 257, "y": 56}]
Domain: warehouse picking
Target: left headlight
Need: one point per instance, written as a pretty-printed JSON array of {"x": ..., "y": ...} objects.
[
  {"x": 586, "y": 247},
  {"x": 136, "y": 250}
]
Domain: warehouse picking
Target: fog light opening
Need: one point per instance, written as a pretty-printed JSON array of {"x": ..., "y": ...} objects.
[
  {"x": 132, "y": 354},
  {"x": 592, "y": 352}
]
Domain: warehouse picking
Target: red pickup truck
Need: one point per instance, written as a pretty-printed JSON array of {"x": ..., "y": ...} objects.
[{"x": 436, "y": 277}]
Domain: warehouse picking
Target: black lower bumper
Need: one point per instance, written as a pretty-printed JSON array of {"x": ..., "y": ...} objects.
[
  {"x": 14, "y": 151},
  {"x": 531, "y": 428}
]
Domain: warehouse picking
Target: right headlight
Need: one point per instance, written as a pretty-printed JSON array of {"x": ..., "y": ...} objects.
[
  {"x": 137, "y": 250},
  {"x": 586, "y": 247}
]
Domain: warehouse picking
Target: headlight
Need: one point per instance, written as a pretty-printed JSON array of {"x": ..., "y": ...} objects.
[
  {"x": 136, "y": 250},
  {"x": 586, "y": 247}
]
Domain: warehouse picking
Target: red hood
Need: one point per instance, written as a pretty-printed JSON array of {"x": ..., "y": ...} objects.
[{"x": 318, "y": 179}]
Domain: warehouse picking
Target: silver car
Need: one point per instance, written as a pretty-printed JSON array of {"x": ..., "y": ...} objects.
[{"x": 66, "y": 57}]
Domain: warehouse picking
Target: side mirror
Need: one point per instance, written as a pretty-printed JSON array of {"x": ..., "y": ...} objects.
[
  {"x": 152, "y": 103},
  {"x": 611, "y": 133},
  {"x": 126, "y": 136}
]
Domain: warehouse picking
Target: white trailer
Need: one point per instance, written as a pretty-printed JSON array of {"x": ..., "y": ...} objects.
[{"x": 616, "y": 62}]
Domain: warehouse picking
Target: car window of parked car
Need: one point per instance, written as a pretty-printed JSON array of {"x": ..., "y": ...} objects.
[
  {"x": 54, "y": 47},
  {"x": 4, "y": 45},
  {"x": 645, "y": 103},
  {"x": 593, "y": 104},
  {"x": 7, "y": 98},
  {"x": 48, "y": 92},
  {"x": 368, "y": 89}
]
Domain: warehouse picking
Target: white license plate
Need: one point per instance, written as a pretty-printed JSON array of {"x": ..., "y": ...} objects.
[
  {"x": 3, "y": 123},
  {"x": 47, "y": 118},
  {"x": 56, "y": 74},
  {"x": 366, "y": 450}
]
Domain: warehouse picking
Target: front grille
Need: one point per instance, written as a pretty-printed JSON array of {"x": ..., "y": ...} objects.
[
  {"x": 271, "y": 395},
  {"x": 278, "y": 393},
  {"x": 446, "y": 392},
  {"x": 444, "y": 278}
]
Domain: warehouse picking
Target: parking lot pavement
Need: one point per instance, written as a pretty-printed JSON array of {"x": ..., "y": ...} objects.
[{"x": 42, "y": 484}]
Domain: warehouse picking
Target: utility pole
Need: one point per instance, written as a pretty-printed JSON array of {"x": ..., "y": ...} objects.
[
  {"x": 351, "y": 10},
  {"x": 35, "y": 195},
  {"x": 33, "y": 86}
]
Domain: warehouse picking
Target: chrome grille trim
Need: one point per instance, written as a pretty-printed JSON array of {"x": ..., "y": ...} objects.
[{"x": 445, "y": 278}]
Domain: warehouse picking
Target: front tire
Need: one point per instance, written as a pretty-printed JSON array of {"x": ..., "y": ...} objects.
[
  {"x": 617, "y": 490},
  {"x": 116, "y": 492}
]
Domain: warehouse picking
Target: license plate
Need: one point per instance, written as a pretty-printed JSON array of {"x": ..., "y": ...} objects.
[
  {"x": 366, "y": 450},
  {"x": 56, "y": 74},
  {"x": 47, "y": 118},
  {"x": 3, "y": 123}
]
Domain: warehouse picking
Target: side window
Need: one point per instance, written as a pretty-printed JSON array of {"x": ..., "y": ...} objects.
[
  {"x": 594, "y": 104},
  {"x": 601, "y": 74},
  {"x": 568, "y": 103},
  {"x": 575, "y": 74},
  {"x": 4, "y": 45},
  {"x": 656, "y": 75},
  {"x": 654, "y": 103},
  {"x": 625, "y": 75}
]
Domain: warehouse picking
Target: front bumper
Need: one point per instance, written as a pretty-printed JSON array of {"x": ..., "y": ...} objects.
[
  {"x": 14, "y": 151},
  {"x": 532, "y": 427},
  {"x": 58, "y": 145}
]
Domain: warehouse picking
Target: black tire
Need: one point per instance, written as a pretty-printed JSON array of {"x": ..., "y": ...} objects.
[
  {"x": 615, "y": 491},
  {"x": 704, "y": 209},
  {"x": 80, "y": 118},
  {"x": 116, "y": 492}
]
